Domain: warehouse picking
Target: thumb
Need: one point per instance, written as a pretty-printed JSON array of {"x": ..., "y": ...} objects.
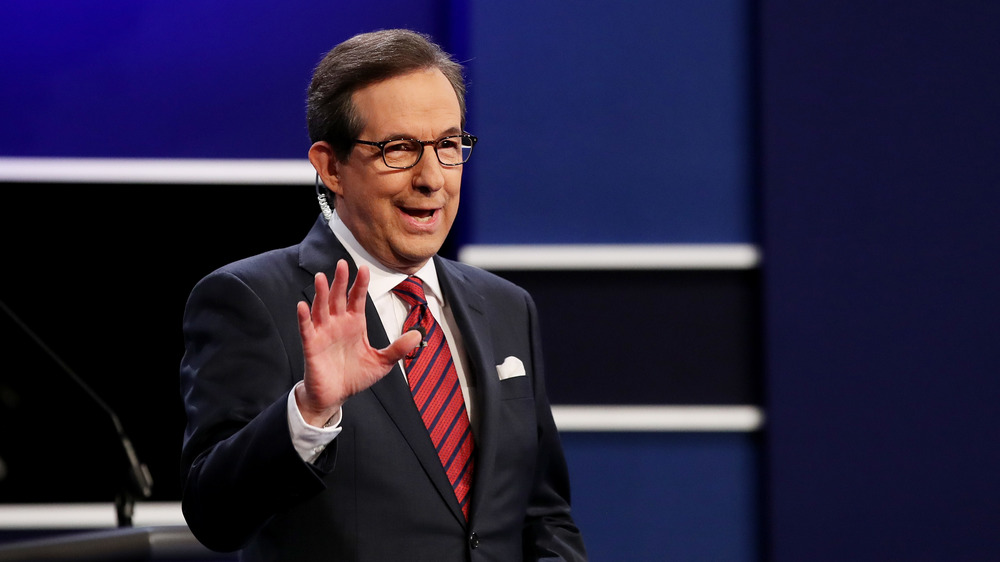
[{"x": 403, "y": 345}]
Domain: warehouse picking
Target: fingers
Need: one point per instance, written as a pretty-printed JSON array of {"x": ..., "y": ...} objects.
[
  {"x": 338, "y": 289},
  {"x": 321, "y": 301},
  {"x": 359, "y": 291},
  {"x": 305, "y": 320},
  {"x": 355, "y": 297},
  {"x": 330, "y": 296}
]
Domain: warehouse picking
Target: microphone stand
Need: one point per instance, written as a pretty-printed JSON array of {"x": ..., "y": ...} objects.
[{"x": 139, "y": 483}]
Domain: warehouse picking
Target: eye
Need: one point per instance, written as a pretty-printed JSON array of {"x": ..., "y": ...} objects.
[
  {"x": 448, "y": 143},
  {"x": 399, "y": 146}
]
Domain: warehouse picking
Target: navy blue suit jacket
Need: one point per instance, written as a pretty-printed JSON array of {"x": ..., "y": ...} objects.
[{"x": 378, "y": 492}]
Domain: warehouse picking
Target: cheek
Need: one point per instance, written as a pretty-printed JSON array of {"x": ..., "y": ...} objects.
[
  {"x": 372, "y": 199},
  {"x": 452, "y": 209},
  {"x": 454, "y": 188}
]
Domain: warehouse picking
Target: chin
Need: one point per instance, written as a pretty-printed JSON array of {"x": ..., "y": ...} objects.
[{"x": 415, "y": 258}]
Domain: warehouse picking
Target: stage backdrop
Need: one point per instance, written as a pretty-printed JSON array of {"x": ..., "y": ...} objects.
[{"x": 615, "y": 129}]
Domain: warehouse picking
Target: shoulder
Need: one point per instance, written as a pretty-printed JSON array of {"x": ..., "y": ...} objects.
[
  {"x": 267, "y": 275},
  {"x": 479, "y": 280},
  {"x": 261, "y": 266},
  {"x": 292, "y": 263}
]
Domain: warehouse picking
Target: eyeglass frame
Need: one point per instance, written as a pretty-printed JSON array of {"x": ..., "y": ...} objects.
[{"x": 473, "y": 139}]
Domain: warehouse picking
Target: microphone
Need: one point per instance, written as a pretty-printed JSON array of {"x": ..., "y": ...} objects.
[
  {"x": 323, "y": 199},
  {"x": 423, "y": 334},
  {"x": 140, "y": 482},
  {"x": 423, "y": 340}
]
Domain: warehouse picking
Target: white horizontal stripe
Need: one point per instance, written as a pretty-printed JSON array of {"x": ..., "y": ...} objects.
[
  {"x": 86, "y": 515},
  {"x": 658, "y": 418},
  {"x": 162, "y": 171},
  {"x": 611, "y": 256},
  {"x": 568, "y": 418}
]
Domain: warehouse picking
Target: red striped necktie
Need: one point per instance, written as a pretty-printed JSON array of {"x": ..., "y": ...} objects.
[{"x": 430, "y": 371}]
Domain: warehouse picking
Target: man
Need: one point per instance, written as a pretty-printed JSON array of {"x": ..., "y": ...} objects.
[{"x": 311, "y": 432}]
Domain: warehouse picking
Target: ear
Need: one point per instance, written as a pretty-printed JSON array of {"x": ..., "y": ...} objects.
[{"x": 325, "y": 162}]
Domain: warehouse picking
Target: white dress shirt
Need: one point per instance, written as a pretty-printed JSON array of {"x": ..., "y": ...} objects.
[{"x": 310, "y": 440}]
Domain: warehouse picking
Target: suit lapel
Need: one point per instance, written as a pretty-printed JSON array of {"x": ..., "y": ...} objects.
[
  {"x": 397, "y": 401},
  {"x": 468, "y": 308}
]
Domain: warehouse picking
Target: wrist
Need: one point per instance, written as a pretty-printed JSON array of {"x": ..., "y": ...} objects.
[{"x": 313, "y": 415}]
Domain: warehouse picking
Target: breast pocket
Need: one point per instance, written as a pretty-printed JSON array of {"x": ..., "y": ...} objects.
[{"x": 515, "y": 388}]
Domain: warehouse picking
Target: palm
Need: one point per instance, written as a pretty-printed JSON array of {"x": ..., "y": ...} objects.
[{"x": 339, "y": 361}]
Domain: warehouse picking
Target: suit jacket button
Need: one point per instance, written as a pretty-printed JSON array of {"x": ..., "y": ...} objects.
[{"x": 474, "y": 540}]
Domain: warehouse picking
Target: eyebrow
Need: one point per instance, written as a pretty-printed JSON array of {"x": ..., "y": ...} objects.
[{"x": 451, "y": 131}]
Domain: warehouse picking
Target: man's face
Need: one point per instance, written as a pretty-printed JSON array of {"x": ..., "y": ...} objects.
[{"x": 401, "y": 217}]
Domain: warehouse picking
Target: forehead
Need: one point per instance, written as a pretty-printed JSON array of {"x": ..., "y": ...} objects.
[{"x": 421, "y": 102}]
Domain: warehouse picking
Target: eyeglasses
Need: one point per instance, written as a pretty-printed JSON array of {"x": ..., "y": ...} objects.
[{"x": 400, "y": 154}]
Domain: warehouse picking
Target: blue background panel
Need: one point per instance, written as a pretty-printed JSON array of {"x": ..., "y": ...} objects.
[
  {"x": 666, "y": 496},
  {"x": 881, "y": 139},
  {"x": 603, "y": 122},
  {"x": 178, "y": 79},
  {"x": 598, "y": 124}
]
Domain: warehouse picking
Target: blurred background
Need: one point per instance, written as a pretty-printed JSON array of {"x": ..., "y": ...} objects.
[{"x": 762, "y": 236}]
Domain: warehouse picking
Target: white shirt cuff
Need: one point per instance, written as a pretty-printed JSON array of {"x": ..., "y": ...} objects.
[{"x": 309, "y": 440}]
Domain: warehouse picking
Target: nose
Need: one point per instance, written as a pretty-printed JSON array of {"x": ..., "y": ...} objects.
[{"x": 429, "y": 172}]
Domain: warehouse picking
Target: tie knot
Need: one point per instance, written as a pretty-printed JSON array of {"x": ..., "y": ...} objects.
[{"x": 411, "y": 290}]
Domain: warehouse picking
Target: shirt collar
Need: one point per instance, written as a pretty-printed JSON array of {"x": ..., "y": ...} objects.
[{"x": 383, "y": 279}]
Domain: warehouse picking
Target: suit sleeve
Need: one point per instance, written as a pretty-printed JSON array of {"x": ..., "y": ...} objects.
[
  {"x": 550, "y": 533},
  {"x": 239, "y": 466}
]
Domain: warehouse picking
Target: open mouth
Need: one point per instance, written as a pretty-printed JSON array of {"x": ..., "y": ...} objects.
[{"x": 420, "y": 214}]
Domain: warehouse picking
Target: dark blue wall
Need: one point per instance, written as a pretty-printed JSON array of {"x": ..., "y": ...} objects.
[
  {"x": 179, "y": 79},
  {"x": 609, "y": 122},
  {"x": 881, "y": 168}
]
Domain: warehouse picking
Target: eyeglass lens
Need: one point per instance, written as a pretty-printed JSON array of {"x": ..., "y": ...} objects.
[{"x": 404, "y": 153}]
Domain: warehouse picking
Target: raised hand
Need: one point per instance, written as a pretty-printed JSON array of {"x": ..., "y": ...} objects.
[{"x": 339, "y": 361}]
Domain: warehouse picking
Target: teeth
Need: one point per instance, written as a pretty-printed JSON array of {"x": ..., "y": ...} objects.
[{"x": 420, "y": 215}]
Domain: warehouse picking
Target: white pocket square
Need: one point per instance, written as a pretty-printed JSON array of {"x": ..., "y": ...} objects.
[{"x": 511, "y": 367}]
